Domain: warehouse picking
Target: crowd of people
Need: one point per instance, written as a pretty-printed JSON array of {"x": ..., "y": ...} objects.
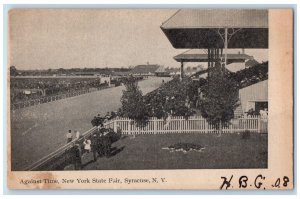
[
  {"x": 49, "y": 87},
  {"x": 99, "y": 120},
  {"x": 261, "y": 112},
  {"x": 73, "y": 136},
  {"x": 99, "y": 144},
  {"x": 252, "y": 75}
]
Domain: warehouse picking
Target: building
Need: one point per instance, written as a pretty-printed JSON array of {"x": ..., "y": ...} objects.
[
  {"x": 254, "y": 97},
  {"x": 161, "y": 72},
  {"x": 173, "y": 71},
  {"x": 105, "y": 79},
  {"x": 144, "y": 70},
  {"x": 217, "y": 30}
]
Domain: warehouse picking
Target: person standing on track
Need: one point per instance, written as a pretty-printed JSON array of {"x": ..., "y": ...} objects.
[
  {"x": 69, "y": 136},
  {"x": 77, "y": 134}
]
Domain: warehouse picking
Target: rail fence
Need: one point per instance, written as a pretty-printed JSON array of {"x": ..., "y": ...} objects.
[
  {"x": 194, "y": 124},
  {"x": 47, "y": 99},
  {"x": 47, "y": 162}
]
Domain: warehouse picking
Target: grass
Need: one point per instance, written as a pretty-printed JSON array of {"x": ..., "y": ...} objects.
[{"x": 145, "y": 152}]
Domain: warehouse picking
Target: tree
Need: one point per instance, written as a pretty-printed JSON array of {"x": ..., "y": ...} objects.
[
  {"x": 133, "y": 105},
  {"x": 220, "y": 98}
]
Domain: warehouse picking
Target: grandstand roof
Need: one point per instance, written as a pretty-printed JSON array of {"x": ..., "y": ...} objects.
[
  {"x": 198, "y": 28},
  {"x": 199, "y": 55}
]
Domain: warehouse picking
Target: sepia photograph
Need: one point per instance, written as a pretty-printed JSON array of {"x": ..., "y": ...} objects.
[{"x": 140, "y": 90}]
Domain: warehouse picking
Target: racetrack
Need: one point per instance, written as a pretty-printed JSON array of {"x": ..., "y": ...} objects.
[{"x": 39, "y": 130}]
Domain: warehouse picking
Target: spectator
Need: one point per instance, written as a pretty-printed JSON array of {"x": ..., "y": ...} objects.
[
  {"x": 113, "y": 114},
  {"x": 78, "y": 153},
  {"x": 167, "y": 121},
  {"x": 119, "y": 130},
  {"x": 107, "y": 116},
  {"x": 106, "y": 144},
  {"x": 250, "y": 112},
  {"x": 264, "y": 114},
  {"x": 100, "y": 144},
  {"x": 99, "y": 120},
  {"x": 77, "y": 134},
  {"x": 87, "y": 145},
  {"x": 69, "y": 136},
  {"x": 94, "y": 144},
  {"x": 94, "y": 121}
]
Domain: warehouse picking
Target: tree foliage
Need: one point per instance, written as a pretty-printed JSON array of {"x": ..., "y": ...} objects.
[
  {"x": 170, "y": 99},
  {"x": 133, "y": 105},
  {"x": 220, "y": 97}
]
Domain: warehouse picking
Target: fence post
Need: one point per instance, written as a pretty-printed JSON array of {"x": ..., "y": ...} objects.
[
  {"x": 180, "y": 125},
  {"x": 258, "y": 124},
  {"x": 129, "y": 127},
  {"x": 244, "y": 121},
  {"x": 206, "y": 126},
  {"x": 115, "y": 125},
  {"x": 155, "y": 126}
]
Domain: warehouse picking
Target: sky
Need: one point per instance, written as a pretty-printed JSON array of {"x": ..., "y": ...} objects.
[{"x": 43, "y": 39}]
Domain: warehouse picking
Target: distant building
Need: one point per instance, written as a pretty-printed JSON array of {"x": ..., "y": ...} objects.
[
  {"x": 82, "y": 73},
  {"x": 144, "y": 70},
  {"x": 173, "y": 71},
  {"x": 105, "y": 79},
  {"x": 188, "y": 71},
  {"x": 161, "y": 72}
]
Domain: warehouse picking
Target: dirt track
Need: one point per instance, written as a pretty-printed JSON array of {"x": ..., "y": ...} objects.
[{"x": 39, "y": 130}]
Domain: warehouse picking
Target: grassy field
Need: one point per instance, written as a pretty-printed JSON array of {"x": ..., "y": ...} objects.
[
  {"x": 145, "y": 152},
  {"x": 39, "y": 130}
]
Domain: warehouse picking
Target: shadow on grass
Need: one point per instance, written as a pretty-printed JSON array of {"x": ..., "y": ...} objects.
[
  {"x": 114, "y": 151},
  {"x": 123, "y": 137},
  {"x": 87, "y": 163}
]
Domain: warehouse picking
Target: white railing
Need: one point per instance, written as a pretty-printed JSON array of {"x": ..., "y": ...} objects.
[
  {"x": 45, "y": 160},
  {"x": 194, "y": 124},
  {"x": 47, "y": 99}
]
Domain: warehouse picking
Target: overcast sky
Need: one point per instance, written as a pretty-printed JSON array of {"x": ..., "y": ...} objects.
[{"x": 42, "y": 39}]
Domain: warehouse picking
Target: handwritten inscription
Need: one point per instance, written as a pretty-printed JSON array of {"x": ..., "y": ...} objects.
[{"x": 259, "y": 182}]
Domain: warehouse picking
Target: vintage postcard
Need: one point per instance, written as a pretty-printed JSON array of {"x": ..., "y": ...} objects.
[{"x": 150, "y": 99}]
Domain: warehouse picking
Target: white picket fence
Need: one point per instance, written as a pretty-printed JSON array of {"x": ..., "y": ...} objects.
[{"x": 194, "y": 124}]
